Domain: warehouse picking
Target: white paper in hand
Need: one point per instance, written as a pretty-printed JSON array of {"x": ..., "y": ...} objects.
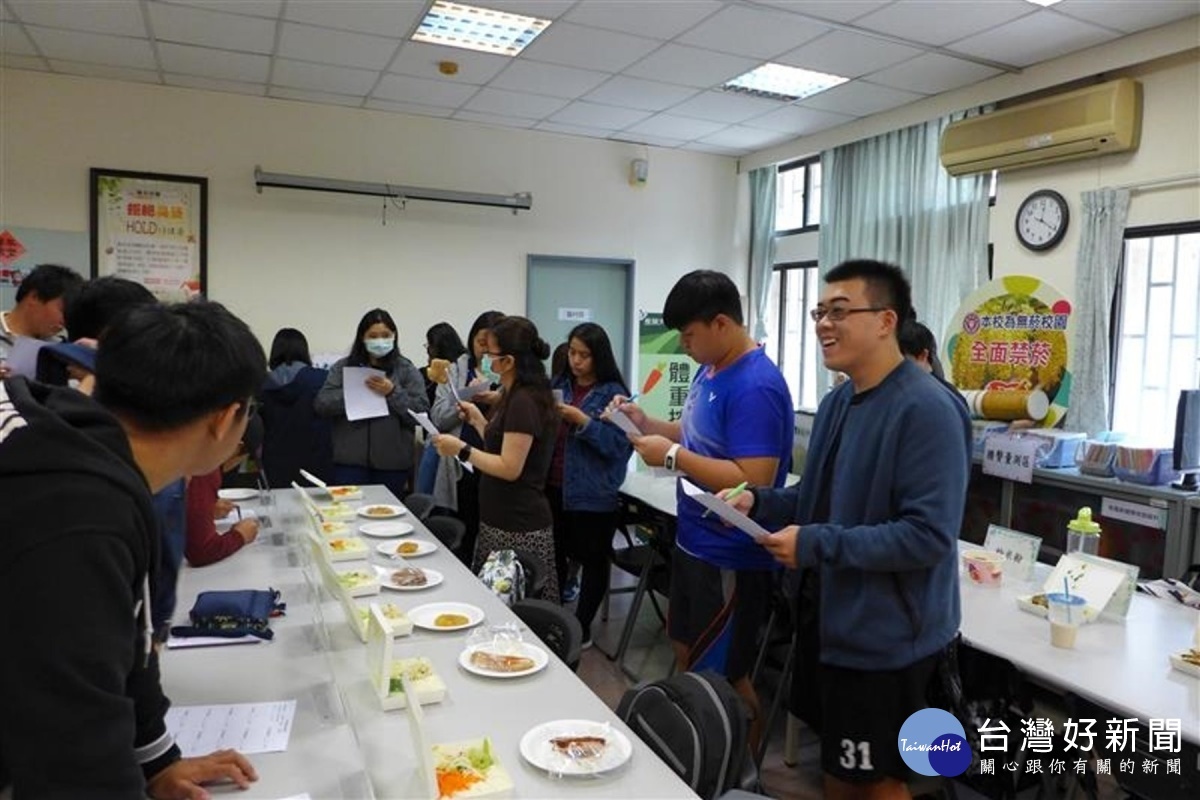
[
  {"x": 725, "y": 511},
  {"x": 361, "y": 402},
  {"x": 425, "y": 422},
  {"x": 617, "y": 417}
]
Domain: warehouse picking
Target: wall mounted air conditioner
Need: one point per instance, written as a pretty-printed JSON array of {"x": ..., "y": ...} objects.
[{"x": 1106, "y": 118}]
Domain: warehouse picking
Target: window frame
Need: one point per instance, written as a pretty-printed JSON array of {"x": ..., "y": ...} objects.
[
  {"x": 783, "y": 268},
  {"x": 805, "y": 164}
]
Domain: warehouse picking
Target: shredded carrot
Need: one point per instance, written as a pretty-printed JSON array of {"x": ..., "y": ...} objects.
[{"x": 452, "y": 781}]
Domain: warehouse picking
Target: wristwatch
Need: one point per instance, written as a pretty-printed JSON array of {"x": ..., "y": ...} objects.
[
  {"x": 464, "y": 455},
  {"x": 669, "y": 460}
]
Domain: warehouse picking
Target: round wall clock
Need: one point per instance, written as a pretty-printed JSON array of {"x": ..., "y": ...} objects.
[{"x": 1042, "y": 220}]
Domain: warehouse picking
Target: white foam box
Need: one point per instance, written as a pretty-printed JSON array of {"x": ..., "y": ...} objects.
[{"x": 390, "y": 675}]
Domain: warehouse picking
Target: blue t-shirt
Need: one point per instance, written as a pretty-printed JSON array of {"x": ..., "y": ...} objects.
[{"x": 744, "y": 411}]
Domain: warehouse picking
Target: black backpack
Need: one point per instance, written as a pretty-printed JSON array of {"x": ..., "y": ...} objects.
[{"x": 694, "y": 722}]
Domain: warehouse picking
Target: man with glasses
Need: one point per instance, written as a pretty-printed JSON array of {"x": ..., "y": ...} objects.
[
  {"x": 82, "y": 713},
  {"x": 873, "y": 528}
]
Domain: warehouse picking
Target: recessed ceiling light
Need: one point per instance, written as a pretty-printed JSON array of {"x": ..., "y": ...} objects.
[
  {"x": 780, "y": 82},
  {"x": 482, "y": 29},
  {"x": 1043, "y": 2}
]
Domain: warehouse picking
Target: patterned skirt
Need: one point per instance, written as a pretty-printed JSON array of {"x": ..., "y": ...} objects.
[{"x": 537, "y": 545}]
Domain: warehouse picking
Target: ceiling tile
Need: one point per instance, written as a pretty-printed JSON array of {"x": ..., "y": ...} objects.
[
  {"x": 798, "y": 121},
  {"x": 544, "y": 9},
  {"x": 117, "y": 51},
  {"x": 32, "y": 63},
  {"x": 322, "y": 98},
  {"x": 407, "y": 89},
  {"x": 859, "y": 98},
  {"x": 513, "y": 104},
  {"x": 409, "y": 108},
  {"x": 1129, "y": 17},
  {"x": 548, "y": 79},
  {"x": 188, "y": 25},
  {"x": 189, "y": 60},
  {"x": 102, "y": 71},
  {"x": 420, "y": 60},
  {"x": 939, "y": 22},
  {"x": 118, "y": 17},
  {"x": 637, "y": 93},
  {"x": 14, "y": 41},
  {"x": 573, "y": 130},
  {"x": 691, "y": 66},
  {"x": 215, "y": 84},
  {"x": 306, "y": 43},
  {"x": 749, "y": 138},
  {"x": 1035, "y": 38},
  {"x": 322, "y": 78},
  {"x": 364, "y": 16},
  {"x": 646, "y": 140},
  {"x": 932, "y": 73},
  {"x": 727, "y": 107},
  {"x": 836, "y": 10},
  {"x": 589, "y": 48},
  {"x": 847, "y": 54},
  {"x": 676, "y": 127},
  {"x": 656, "y": 20},
  {"x": 494, "y": 119},
  {"x": 756, "y": 32},
  {"x": 716, "y": 150},
  {"x": 253, "y": 8},
  {"x": 593, "y": 115}
]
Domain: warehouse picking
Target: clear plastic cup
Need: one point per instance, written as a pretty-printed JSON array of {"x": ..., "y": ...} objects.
[{"x": 1066, "y": 615}]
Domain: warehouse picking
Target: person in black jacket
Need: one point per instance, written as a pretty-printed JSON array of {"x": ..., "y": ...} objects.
[
  {"x": 294, "y": 437},
  {"x": 82, "y": 712}
]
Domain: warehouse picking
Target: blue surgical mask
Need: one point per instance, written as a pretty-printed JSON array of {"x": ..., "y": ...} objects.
[
  {"x": 485, "y": 368},
  {"x": 379, "y": 347}
]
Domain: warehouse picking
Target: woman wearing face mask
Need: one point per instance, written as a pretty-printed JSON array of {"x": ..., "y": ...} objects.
[
  {"x": 518, "y": 443},
  {"x": 590, "y": 458},
  {"x": 378, "y": 450}
]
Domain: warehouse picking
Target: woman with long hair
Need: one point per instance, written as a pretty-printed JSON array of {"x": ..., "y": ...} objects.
[
  {"x": 294, "y": 438},
  {"x": 441, "y": 345},
  {"x": 518, "y": 443},
  {"x": 589, "y": 463},
  {"x": 380, "y": 449}
]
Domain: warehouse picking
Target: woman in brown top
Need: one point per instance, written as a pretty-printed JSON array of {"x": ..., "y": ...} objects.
[{"x": 518, "y": 444}]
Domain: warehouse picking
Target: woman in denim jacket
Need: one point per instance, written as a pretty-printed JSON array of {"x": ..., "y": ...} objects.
[{"x": 589, "y": 465}]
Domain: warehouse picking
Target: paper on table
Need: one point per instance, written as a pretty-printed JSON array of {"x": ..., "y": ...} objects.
[
  {"x": 617, "y": 417},
  {"x": 232, "y": 518},
  {"x": 246, "y": 727},
  {"x": 22, "y": 358},
  {"x": 425, "y": 422},
  {"x": 178, "y": 643},
  {"x": 361, "y": 402},
  {"x": 725, "y": 511}
]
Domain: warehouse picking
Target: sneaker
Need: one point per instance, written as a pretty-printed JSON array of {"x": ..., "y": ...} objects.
[{"x": 570, "y": 592}]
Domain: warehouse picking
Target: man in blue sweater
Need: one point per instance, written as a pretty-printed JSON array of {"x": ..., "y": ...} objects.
[{"x": 875, "y": 522}]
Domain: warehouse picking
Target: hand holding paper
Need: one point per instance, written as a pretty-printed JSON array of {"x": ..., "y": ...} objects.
[
  {"x": 726, "y": 512},
  {"x": 618, "y": 417},
  {"x": 361, "y": 401}
]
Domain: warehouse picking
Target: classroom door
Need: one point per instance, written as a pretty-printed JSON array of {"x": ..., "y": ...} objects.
[{"x": 564, "y": 291}]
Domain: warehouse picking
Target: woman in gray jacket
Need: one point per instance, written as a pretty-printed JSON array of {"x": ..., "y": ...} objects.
[{"x": 378, "y": 450}]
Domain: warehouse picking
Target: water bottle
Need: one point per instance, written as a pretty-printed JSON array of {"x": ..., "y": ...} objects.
[{"x": 1083, "y": 534}]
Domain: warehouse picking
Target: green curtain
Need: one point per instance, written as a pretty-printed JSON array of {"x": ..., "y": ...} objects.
[{"x": 762, "y": 246}]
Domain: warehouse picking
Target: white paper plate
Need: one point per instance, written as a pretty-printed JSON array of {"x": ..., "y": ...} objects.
[
  {"x": 388, "y": 549},
  {"x": 385, "y": 530},
  {"x": 391, "y": 513},
  {"x": 537, "y": 750},
  {"x": 1183, "y": 666},
  {"x": 423, "y": 616},
  {"x": 539, "y": 656},
  {"x": 237, "y": 494},
  {"x": 432, "y": 578}
]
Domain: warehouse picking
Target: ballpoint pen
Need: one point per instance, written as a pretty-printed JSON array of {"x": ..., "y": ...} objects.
[{"x": 734, "y": 492}]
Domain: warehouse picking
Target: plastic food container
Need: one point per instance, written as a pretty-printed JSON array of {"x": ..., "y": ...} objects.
[{"x": 1150, "y": 466}]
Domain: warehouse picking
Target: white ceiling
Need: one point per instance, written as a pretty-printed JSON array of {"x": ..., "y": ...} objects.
[{"x": 636, "y": 70}]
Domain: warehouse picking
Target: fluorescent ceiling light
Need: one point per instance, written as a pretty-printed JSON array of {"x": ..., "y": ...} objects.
[
  {"x": 482, "y": 29},
  {"x": 780, "y": 82},
  {"x": 1043, "y": 2}
]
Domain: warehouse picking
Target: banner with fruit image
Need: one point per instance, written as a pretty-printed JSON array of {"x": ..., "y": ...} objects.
[
  {"x": 150, "y": 229},
  {"x": 664, "y": 371},
  {"x": 1008, "y": 351}
]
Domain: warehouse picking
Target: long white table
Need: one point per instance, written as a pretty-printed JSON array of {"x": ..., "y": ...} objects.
[{"x": 343, "y": 744}]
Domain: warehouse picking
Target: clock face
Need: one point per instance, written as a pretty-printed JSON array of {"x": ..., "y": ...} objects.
[{"x": 1042, "y": 220}]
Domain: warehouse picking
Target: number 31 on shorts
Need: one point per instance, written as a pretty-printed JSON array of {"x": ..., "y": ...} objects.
[{"x": 856, "y": 755}]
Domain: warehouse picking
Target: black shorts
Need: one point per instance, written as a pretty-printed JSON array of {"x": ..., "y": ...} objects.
[
  {"x": 861, "y": 715},
  {"x": 717, "y": 613}
]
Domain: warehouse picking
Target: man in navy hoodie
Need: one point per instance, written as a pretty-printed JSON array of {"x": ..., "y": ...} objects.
[
  {"x": 875, "y": 520},
  {"x": 82, "y": 713}
]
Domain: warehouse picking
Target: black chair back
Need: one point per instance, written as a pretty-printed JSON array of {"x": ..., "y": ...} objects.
[{"x": 557, "y": 627}]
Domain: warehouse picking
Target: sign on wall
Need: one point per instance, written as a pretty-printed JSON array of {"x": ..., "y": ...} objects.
[
  {"x": 151, "y": 229},
  {"x": 22, "y": 249},
  {"x": 665, "y": 372}
]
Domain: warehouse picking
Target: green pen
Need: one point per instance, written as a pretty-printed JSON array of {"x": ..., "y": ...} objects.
[{"x": 734, "y": 492}]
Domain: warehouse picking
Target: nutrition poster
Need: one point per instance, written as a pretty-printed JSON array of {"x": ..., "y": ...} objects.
[{"x": 664, "y": 371}]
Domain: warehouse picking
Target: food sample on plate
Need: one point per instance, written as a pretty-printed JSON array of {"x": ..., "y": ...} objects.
[
  {"x": 331, "y": 528},
  {"x": 418, "y": 673},
  {"x": 1040, "y": 600},
  {"x": 1191, "y": 657},
  {"x": 343, "y": 492},
  {"x": 358, "y": 582},
  {"x": 469, "y": 769},
  {"x": 335, "y": 511},
  {"x": 379, "y": 511},
  {"x": 409, "y": 576},
  {"x": 407, "y": 548},
  {"x": 451, "y": 620},
  {"x": 580, "y": 747},
  {"x": 346, "y": 545},
  {"x": 498, "y": 662}
]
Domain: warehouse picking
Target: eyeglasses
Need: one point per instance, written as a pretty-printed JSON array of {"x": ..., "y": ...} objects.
[{"x": 839, "y": 313}]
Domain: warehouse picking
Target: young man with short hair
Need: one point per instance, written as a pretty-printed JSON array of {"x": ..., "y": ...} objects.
[
  {"x": 875, "y": 520},
  {"x": 736, "y": 428},
  {"x": 38, "y": 314},
  {"x": 82, "y": 713}
]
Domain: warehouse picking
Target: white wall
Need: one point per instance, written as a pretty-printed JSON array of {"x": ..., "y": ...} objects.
[{"x": 317, "y": 261}]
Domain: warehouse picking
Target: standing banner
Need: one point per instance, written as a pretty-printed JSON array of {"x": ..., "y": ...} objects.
[{"x": 664, "y": 371}]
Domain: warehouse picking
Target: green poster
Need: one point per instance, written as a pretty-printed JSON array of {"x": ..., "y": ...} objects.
[{"x": 664, "y": 372}]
